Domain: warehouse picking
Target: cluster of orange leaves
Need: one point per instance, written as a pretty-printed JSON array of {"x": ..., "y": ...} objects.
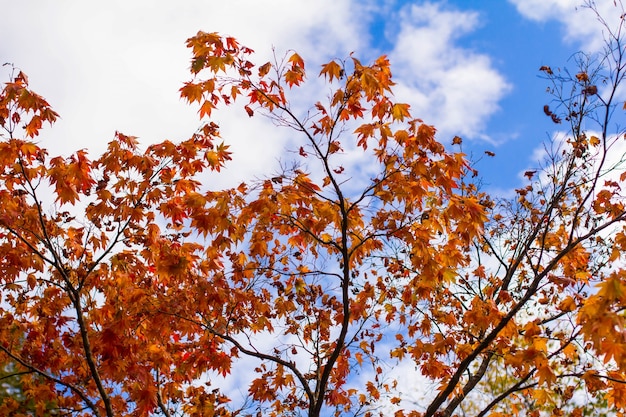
[{"x": 139, "y": 280}]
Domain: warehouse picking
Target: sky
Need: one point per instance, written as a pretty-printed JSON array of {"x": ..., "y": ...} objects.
[{"x": 468, "y": 67}]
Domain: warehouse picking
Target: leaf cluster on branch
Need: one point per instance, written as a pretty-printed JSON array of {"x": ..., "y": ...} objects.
[{"x": 130, "y": 286}]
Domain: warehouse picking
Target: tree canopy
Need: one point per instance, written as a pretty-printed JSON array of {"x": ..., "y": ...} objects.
[{"x": 131, "y": 286}]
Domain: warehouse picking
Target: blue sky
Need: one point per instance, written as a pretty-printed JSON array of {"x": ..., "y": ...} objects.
[
  {"x": 518, "y": 48},
  {"x": 468, "y": 67}
]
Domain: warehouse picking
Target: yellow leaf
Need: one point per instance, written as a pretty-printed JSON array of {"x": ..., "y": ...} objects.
[
  {"x": 567, "y": 304},
  {"x": 542, "y": 396},
  {"x": 299, "y": 285},
  {"x": 153, "y": 349},
  {"x": 612, "y": 288},
  {"x": 570, "y": 351},
  {"x": 540, "y": 344},
  {"x": 399, "y": 111},
  {"x": 449, "y": 275}
]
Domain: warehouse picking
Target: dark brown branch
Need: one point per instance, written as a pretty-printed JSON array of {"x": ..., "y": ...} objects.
[{"x": 454, "y": 380}]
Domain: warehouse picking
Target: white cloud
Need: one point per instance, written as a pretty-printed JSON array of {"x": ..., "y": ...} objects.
[
  {"x": 580, "y": 24},
  {"x": 452, "y": 87},
  {"x": 542, "y": 10},
  {"x": 118, "y": 65}
]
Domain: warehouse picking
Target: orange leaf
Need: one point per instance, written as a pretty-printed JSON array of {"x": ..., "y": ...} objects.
[
  {"x": 264, "y": 69},
  {"x": 331, "y": 70},
  {"x": 296, "y": 60},
  {"x": 399, "y": 111}
]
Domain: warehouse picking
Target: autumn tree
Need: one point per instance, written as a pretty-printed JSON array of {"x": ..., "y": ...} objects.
[
  {"x": 320, "y": 258},
  {"x": 549, "y": 267},
  {"x": 131, "y": 286},
  {"x": 78, "y": 313},
  {"x": 139, "y": 281}
]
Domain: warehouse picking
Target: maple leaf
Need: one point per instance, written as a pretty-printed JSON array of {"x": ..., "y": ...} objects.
[
  {"x": 146, "y": 399},
  {"x": 259, "y": 389},
  {"x": 294, "y": 77},
  {"x": 206, "y": 108},
  {"x": 612, "y": 288},
  {"x": 546, "y": 374},
  {"x": 400, "y": 111},
  {"x": 296, "y": 60},
  {"x": 332, "y": 70},
  {"x": 594, "y": 141},
  {"x": 192, "y": 92},
  {"x": 265, "y": 69}
]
